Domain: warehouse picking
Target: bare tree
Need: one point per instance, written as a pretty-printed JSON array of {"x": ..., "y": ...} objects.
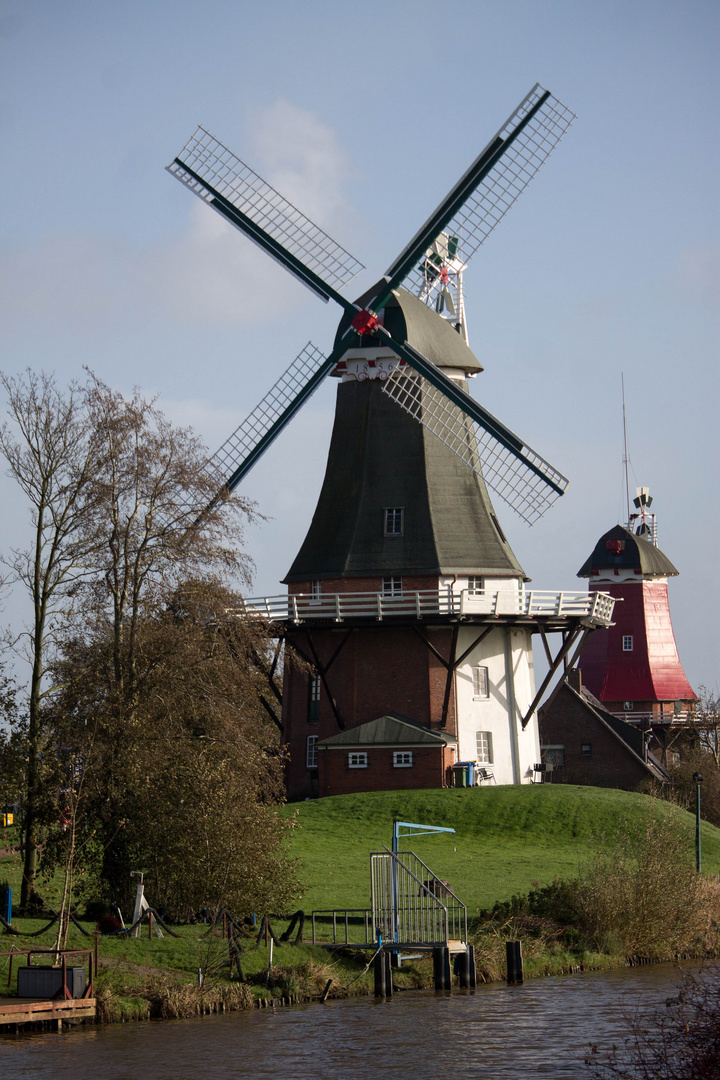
[{"x": 52, "y": 453}]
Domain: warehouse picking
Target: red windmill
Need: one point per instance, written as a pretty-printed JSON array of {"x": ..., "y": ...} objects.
[{"x": 634, "y": 667}]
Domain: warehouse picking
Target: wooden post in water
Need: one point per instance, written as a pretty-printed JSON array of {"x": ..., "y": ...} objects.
[
  {"x": 441, "y": 968},
  {"x": 380, "y": 970},
  {"x": 513, "y": 952},
  {"x": 466, "y": 969}
]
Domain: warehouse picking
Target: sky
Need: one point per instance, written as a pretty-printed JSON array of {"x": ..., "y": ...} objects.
[{"x": 364, "y": 115}]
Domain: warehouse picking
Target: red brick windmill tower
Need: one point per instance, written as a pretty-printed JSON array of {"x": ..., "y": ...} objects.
[
  {"x": 633, "y": 667},
  {"x": 405, "y": 599}
]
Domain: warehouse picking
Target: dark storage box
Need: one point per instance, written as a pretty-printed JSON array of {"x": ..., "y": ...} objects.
[{"x": 46, "y": 982}]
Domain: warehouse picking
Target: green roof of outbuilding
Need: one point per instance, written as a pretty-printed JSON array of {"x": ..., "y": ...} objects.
[
  {"x": 635, "y": 554},
  {"x": 391, "y": 730}
]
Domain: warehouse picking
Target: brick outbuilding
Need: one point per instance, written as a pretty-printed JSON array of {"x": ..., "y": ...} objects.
[
  {"x": 386, "y": 754},
  {"x": 585, "y": 743}
]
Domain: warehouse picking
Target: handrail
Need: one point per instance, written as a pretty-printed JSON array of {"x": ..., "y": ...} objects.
[
  {"x": 345, "y": 912},
  {"x": 305, "y": 607},
  {"x": 407, "y": 908}
]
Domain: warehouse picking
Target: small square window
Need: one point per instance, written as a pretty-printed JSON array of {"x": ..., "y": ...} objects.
[
  {"x": 481, "y": 686},
  {"x": 586, "y": 749},
  {"x": 627, "y": 643},
  {"x": 392, "y": 586},
  {"x": 484, "y": 747},
  {"x": 628, "y": 706},
  {"x": 394, "y": 521},
  {"x": 311, "y": 753},
  {"x": 357, "y": 759},
  {"x": 314, "y": 699},
  {"x": 402, "y": 759},
  {"x": 476, "y": 586}
]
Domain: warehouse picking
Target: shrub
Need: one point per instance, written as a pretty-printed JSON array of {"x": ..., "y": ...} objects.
[{"x": 642, "y": 895}]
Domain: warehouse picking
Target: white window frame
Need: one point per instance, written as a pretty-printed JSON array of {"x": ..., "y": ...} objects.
[
  {"x": 481, "y": 682},
  {"x": 627, "y": 643},
  {"x": 402, "y": 759},
  {"x": 316, "y": 592},
  {"x": 476, "y": 586},
  {"x": 314, "y": 699},
  {"x": 311, "y": 752},
  {"x": 392, "y": 588},
  {"x": 484, "y": 747},
  {"x": 357, "y": 759},
  {"x": 394, "y": 521}
]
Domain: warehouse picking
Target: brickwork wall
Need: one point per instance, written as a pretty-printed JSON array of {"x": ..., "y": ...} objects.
[
  {"x": 429, "y": 770},
  {"x": 417, "y": 583},
  {"x": 379, "y": 670},
  {"x": 570, "y": 724}
]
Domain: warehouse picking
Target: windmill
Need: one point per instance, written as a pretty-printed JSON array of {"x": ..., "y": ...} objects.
[
  {"x": 405, "y": 598},
  {"x": 432, "y": 265}
]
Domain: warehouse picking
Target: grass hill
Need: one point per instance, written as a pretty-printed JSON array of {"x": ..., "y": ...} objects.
[{"x": 506, "y": 838}]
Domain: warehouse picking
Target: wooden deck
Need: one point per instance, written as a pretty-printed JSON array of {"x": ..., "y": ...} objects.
[{"x": 15, "y": 1010}]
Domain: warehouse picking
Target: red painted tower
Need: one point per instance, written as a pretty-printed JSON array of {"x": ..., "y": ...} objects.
[{"x": 633, "y": 667}]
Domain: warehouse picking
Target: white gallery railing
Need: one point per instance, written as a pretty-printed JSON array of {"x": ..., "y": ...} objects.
[{"x": 304, "y": 607}]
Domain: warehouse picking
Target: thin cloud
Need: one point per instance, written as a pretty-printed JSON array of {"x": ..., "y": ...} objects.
[{"x": 206, "y": 274}]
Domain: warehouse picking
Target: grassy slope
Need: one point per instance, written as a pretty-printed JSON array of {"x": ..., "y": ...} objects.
[{"x": 506, "y": 837}]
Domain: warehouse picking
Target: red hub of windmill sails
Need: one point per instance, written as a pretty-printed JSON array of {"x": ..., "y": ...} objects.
[{"x": 364, "y": 322}]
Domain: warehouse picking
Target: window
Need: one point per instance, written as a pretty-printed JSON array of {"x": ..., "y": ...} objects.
[
  {"x": 628, "y": 706},
  {"x": 316, "y": 590},
  {"x": 313, "y": 713},
  {"x": 553, "y": 755},
  {"x": 392, "y": 586},
  {"x": 484, "y": 748},
  {"x": 394, "y": 521},
  {"x": 481, "y": 686},
  {"x": 402, "y": 759},
  {"x": 586, "y": 749},
  {"x": 357, "y": 759},
  {"x": 476, "y": 585},
  {"x": 311, "y": 753},
  {"x": 627, "y": 643}
]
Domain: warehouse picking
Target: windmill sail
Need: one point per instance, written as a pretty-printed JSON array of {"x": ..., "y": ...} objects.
[
  {"x": 485, "y": 193},
  {"x": 260, "y": 428},
  {"x": 466, "y": 217},
  {"x": 519, "y": 475},
  {"x": 229, "y": 186}
]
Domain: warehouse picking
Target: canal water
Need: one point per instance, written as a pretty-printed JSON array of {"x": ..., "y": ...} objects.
[{"x": 541, "y": 1029}]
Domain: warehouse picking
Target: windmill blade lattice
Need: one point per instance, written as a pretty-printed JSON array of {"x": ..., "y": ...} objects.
[
  {"x": 218, "y": 176},
  {"x": 516, "y": 156},
  {"x": 258, "y": 430},
  {"x": 519, "y": 475}
]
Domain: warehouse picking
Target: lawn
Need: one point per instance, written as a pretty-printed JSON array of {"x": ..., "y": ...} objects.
[{"x": 506, "y": 838}]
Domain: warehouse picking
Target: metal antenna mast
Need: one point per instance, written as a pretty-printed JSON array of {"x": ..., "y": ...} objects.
[{"x": 626, "y": 459}]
